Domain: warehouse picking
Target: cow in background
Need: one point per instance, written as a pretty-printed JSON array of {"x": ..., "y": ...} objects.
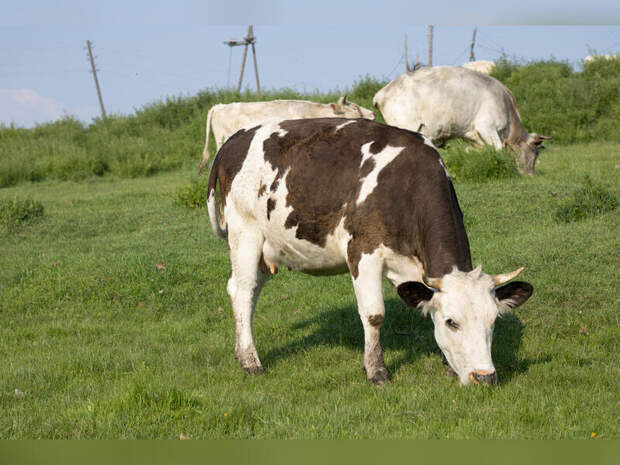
[
  {"x": 447, "y": 102},
  {"x": 482, "y": 66},
  {"x": 226, "y": 119}
]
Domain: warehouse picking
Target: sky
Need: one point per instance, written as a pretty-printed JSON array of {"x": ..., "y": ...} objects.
[{"x": 146, "y": 51}]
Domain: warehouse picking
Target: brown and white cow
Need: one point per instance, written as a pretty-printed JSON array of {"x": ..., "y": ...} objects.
[
  {"x": 327, "y": 196},
  {"x": 228, "y": 118},
  {"x": 446, "y": 102}
]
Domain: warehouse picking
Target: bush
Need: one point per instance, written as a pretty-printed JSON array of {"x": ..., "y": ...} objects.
[
  {"x": 169, "y": 134},
  {"x": 193, "y": 195},
  {"x": 15, "y": 212},
  {"x": 478, "y": 165},
  {"x": 554, "y": 99},
  {"x": 589, "y": 200}
]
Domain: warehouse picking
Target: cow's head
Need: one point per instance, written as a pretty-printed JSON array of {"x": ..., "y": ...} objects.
[
  {"x": 464, "y": 307},
  {"x": 529, "y": 152},
  {"x": 345, "y": 109}
]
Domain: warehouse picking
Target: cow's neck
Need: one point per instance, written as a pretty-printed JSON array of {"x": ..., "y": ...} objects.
[
  {"x": 445, "y": 243},
  {"x": 517, "y": 133}
]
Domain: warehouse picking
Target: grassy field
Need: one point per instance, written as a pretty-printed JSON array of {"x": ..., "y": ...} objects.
[{"x": 115, "y": 323}]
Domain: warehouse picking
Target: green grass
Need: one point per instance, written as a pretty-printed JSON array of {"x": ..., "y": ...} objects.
[
  {"x": 16, "y": 212},
  {"x": 100, "y": 342},
  {"x": 465, "y": 163},
  {"x": 589, "y": 200}
]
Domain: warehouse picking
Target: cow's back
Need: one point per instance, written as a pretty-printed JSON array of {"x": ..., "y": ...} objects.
[
  {"x": 442, "y": 101},
  {"x": 324, "y": 191},
  {"x": 230, "y": 117}
]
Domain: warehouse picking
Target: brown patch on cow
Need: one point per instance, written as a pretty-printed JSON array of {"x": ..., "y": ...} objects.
[
  {"x": 413, "y": 210},
  {"x": 262, "y": 189},
  {"x": 376, "y": 320},
  {"x": 271, "y": 204},
  {"x": 229, "y": 160}
]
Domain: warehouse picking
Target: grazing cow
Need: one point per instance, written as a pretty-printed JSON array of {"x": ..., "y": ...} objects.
[
  {"x": 446, "y": 102},
  {"x": 482, "y": 66},
  {"x": 329, "y": 195},
  {"x": 227, "y": 119}
]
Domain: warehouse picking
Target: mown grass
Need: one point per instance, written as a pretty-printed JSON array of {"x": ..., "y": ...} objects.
[{"x": 97, "y": 341}]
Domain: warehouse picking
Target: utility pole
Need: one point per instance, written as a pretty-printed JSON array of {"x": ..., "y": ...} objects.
[
  {"x": 249, "y": 39},
  {"x": 472, "y": 57},
  {"x": 407, "y": 67},
  {"x": 94, "y": 71},
  {"x": 430, "y": 45}
]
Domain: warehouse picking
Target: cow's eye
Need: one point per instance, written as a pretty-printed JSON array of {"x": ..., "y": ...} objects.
[{"x": 450, "y": 323}]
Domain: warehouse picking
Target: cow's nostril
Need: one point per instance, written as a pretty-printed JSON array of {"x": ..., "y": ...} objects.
[{"x": 483, "y": 377}]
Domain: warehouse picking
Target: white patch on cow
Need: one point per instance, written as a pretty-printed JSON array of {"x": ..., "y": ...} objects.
[
  {"x": 445, "y": 170},
  {"x": 340, "y": 126},
  {"x": 281, "y": 246},
  {"x": 400, "y": 268},
  {"x": 428, "y": 142},
  {"x": 381, "y": 160}
]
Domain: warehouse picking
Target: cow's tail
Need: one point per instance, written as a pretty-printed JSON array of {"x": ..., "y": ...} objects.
[
  {"x": 215, "y": 208},
  {"x": 205, "y": 151}
]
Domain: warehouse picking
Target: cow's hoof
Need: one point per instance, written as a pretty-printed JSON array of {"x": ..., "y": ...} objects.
[
  {"x": 254, "y": 370},
  {"x": 380, "y": 377}
]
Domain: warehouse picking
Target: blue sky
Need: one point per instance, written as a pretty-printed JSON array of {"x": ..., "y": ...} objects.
[{"x": 147, "y": 50}]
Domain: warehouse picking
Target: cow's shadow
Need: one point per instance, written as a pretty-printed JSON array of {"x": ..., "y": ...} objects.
[{"x": 405, "y": 331}]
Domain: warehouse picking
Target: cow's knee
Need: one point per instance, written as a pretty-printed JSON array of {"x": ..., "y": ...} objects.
[{"x": 376, "y": 320}]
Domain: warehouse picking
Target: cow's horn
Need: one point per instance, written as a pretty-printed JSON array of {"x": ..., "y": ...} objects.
[
  {"x": 434, "y": 283},
  {"x": 342, "y": 99},
  {"x": 499, "y": 279}
]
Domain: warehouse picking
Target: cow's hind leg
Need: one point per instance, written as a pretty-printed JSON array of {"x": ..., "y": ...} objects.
[
  {"x": 369, "y": 294},
  {"x": 244, "y": 286}
]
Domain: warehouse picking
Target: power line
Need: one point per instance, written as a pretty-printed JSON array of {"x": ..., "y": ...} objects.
[{"x": 396, "y": 66}]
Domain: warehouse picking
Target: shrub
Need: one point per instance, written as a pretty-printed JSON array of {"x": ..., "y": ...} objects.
[
  {"x": 554, "y": 99},
  {"x": 194, "y": 194},
  {"x": 15, "y": 212},
  {"x": 591, "y": 199},
  {"x": 478, "y": 165}
]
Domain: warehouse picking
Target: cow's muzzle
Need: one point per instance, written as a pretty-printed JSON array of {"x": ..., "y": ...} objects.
[{"x": 483, "y": 377}]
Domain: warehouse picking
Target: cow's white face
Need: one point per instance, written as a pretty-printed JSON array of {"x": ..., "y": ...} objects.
[
  {"x": 464, "y": 311},
  {"x": 464, "y": 314}
]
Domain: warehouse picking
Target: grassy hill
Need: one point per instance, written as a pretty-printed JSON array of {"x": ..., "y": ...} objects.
[{"x": 168, "y": 135}]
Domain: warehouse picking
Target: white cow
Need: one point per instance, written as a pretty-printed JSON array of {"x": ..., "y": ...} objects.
[
  {"x": 592, "y": 58},
  {"x": 226, "y": 119},
  {"x": 482, "y": 66},
  {"x": 446, "y": 102}
]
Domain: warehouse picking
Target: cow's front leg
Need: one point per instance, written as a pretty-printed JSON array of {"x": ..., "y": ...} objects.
[{"x": 369, "y": 294}]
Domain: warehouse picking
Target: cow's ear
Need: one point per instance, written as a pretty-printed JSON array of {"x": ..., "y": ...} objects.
[
  {"x": 336, "y": 108},
  {"x": 414, "y": 293},
  {"x": 514, "y": 294}
]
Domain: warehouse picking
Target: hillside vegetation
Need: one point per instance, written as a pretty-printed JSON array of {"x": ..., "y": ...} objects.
[{"x": 164, "y": 136}]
